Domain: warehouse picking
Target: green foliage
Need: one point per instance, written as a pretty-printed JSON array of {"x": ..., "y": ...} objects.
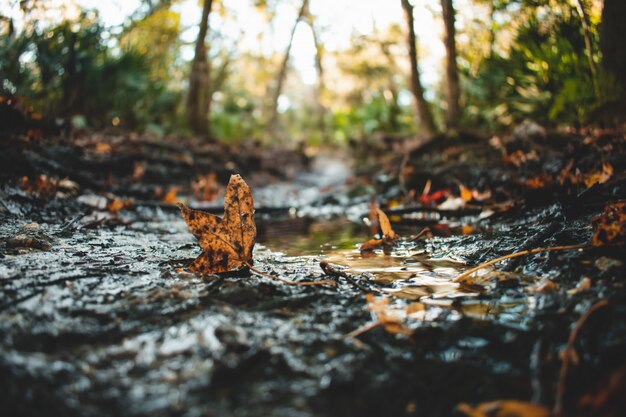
[
  {"x": 544, "y": 76},
  {"x": 71, "y": 70}
]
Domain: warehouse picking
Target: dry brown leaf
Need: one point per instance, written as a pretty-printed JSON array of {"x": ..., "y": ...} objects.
[
  {"x": 504, "y": 408},
  {"x": 609, "y": 229},
  {"x": 227, "y": 242}
]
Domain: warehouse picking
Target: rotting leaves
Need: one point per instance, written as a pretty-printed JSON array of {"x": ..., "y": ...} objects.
[
  {"x": 227, "y": 242},
  {"x": 609, "y": 228}
]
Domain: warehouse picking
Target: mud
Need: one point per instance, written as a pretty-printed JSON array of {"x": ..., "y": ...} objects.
[{"x": 102, "y": 319}]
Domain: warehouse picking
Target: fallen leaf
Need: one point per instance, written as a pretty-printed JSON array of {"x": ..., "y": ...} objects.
[
  {"x": 504, "y": 408},
  {"x": 117, "y": 204},
  {"x": 170, "y": 197},
  {"x": 227, "y": 242},
  {"x": 599, "y": 177},
  {"x": 389, "y": 236},
  {"x": 385, "y": 225},
  {"x": 41, "y": 185},
  {"x": 609, "y": 228},
  {"x": 538, "y": 182},
  {"x": 466, "y": 193}
]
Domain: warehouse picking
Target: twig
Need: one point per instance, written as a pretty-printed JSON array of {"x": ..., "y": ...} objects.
[
  {"x": 286, "y": 281},
  {"x": 333, "y": 272},
  {"x": 567, "y": 353},
  {"x": 466, "y": 274},
  {"x": 363, "y": 329}
]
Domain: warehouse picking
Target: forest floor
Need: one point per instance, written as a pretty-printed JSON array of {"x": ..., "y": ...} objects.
[{"x": 99, "y": 316}]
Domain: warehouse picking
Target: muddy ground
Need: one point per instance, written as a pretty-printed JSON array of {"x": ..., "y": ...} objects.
[{"x": 99, "y": 317}]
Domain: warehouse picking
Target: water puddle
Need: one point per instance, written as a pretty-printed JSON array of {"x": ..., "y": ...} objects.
[{"x": 406, "y": 274}]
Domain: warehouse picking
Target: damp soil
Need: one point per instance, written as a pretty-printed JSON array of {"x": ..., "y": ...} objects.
[{"x": 99, "y": 317}]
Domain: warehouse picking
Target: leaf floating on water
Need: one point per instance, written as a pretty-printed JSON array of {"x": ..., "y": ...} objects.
[
  {"x": 504, "y": 408},
  {"x": 227, "y": 242}
]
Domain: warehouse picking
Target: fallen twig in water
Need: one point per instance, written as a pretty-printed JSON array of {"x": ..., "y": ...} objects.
[{"x": 465, "y": 275}]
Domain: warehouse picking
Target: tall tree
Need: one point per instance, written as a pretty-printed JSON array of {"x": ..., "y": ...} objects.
[
  {"x": 581, "y": 8},
  {"x": 282, "y": 72},
  {"x": 321, "y": 86},
  {"x": 453, "y": 110},
  {"x": 198, "y": 95},
  {"x": 425, "y": 116},
  {"x": 612, "y": 35}
]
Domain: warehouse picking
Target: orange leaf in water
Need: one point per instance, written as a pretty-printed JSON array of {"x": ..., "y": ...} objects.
[
  {"x": 227, "y": 241},
  {"x": 609, "y": 228}
]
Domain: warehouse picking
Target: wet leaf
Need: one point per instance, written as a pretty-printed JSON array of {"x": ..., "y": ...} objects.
[
  {"x": 504, "y": 408},
  {"x": 609, "y": 229},
  {"x": 227, "y": 242},
  {"x": 389, "y": 236},
  {"x": 385, "y": 225}
]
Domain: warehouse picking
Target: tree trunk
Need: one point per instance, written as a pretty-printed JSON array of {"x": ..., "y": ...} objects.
[
  {"x": 424, "y": 115},
  {"x": 321, "y": 86},
  {"x": 453, "y": 110},
  {"x": 282, "y": 73},
  {"x": 581, "y": 7},
  {"x": 198, "y": 95},
  {"x": 612, "y": 35}
]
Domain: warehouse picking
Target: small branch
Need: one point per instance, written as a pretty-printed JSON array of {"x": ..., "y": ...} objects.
[
  {"x": 465, "y": 275},
  {"x": 567, "y": 353},
  {"x": 286, "y": 281},
  {"x": 363, "y": 329}
]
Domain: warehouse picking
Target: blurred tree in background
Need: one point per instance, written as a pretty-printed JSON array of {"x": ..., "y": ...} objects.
[{"x": 558, "y": 62}]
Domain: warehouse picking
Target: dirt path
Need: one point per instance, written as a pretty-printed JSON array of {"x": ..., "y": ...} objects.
[{"x": 105, "y": 321}]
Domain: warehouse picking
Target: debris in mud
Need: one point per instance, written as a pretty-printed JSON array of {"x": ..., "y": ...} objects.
[
  {"x": 31, "y": 236},
  {"x": 226, "y": 242}
]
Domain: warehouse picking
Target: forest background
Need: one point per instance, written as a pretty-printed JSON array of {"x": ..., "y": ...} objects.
[{"x": 237, "y": 73}]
